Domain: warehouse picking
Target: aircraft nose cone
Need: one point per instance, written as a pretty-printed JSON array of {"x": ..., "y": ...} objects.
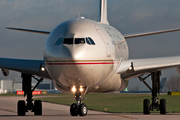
[{"x": 73, "y": 52}]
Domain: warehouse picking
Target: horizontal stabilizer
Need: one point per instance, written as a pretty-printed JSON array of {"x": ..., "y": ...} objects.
[
  {"x": 150, "y": 33},
  {"x": 162, "y": 84},
  {"x": 29, "y": 30}
]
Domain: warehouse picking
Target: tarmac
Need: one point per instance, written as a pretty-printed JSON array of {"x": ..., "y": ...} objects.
[{"x": 8, "y": 111}]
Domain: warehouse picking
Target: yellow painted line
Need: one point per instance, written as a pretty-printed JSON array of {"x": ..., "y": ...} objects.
[
  {"x": 8, "y": 110},
  {"x": 124, "y": 116}
]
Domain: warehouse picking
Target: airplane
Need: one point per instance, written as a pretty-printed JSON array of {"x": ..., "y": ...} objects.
[
  {"x": 82, "y": 55},
  {"x": 161, "y": 90},
  {"x": 162, "y": 84}
]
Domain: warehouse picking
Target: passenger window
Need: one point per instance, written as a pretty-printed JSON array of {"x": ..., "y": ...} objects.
[
  {"x": 68, "y": 41},
  {"x": 88, "y": 42},
  {"x": 92, "y": 42},
  {"x": 79, "y": 41},
  {"x": 59, "y": 41}
]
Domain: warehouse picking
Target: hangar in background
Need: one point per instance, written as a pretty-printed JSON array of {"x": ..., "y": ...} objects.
[{"x": 9, "y": 86}]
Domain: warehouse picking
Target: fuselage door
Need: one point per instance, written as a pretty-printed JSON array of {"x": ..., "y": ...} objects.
[{"x": 106, "y": 42}]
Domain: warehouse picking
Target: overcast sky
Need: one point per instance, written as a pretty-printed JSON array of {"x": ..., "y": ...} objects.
[{"x": 128, "y": 16}]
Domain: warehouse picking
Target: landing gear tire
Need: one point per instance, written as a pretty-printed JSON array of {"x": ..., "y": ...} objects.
[
  {"x": 83, "y": 109},
  {"x": 37, "y": 107},
  {"x": 21, "y": 108},
  {"x": 146, "y": 106},
  {"x": 163, "y": 106},
  {"x": 74, "y": 110},
  {"x": 155, "y": 77}
]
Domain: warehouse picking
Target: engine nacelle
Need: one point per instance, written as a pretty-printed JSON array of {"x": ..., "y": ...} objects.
[{"x": 5, "y": 72}]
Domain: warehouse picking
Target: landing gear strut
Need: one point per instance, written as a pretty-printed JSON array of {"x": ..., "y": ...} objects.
[
  {"x": 147, "y": 107},
  {"x": 78, "y": 107},
  {"x": 23, "y": 107}
]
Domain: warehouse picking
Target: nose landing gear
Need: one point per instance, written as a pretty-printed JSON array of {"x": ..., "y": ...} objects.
[{"x": 78, "y": 108}]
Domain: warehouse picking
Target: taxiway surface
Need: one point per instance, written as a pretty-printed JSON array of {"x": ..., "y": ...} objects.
[{"x": 8, "y": 111}]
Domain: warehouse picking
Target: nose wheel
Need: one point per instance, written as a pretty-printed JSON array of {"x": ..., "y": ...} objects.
[
  {"x": 74, "y": 110},
  {"x": 83, "y": 109},
  {"x": 78, "y": 108}
]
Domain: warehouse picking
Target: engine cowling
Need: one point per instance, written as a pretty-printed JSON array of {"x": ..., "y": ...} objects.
[{"x": 5, "y": 72}]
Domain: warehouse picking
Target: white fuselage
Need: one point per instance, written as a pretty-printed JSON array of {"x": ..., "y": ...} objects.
[{"x": 73, "y": 60}]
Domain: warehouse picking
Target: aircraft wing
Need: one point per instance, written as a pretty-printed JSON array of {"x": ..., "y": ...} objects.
[
  {"x": 136, "y": 67},
  {"x": 29, "y": 30},
  {"x": 149, "y": 33},
  {"x": 24, "y": 66}
]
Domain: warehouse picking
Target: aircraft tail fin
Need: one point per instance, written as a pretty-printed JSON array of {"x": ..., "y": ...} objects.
[
  {"x": 103, "y": 12},
  {"x": 162, "y": 84}
]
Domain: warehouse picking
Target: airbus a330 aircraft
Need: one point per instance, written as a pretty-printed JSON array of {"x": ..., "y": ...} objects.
[{"x": 80, "y": 56}]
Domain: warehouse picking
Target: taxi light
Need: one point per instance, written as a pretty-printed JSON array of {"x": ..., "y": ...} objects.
[
  {"x": 130, "y": 68},
  {"x": 81, "y": 89},
  {"x": 74, "y": 89}
]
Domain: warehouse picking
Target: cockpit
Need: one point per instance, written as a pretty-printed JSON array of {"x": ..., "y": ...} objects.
[
  {"x": 76, "y": 41},
  {"x": 79, "y": 41}
]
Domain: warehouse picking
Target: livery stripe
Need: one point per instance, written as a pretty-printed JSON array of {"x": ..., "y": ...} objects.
[
  {"x": 93, "y": 63},
  {"x": 79, "y": 61}
]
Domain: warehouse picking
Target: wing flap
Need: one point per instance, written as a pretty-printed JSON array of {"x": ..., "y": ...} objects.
[{"x": 135, "y": 67}]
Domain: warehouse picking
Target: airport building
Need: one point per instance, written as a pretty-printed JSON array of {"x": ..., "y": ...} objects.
[
  {"x": 6, "y": 86},
  {"x": 9, "y": 86}
]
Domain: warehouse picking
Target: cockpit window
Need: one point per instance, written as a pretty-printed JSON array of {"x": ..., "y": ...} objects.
[
  {"x": 88, "y": 42},
  {"x": 91, "y": 40},
  {"x": 68, "y": 41},
  {"x": 79, "y": 40},
  {"x": 59, "y": 41}
]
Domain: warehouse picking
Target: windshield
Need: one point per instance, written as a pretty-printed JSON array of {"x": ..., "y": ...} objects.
[
  {"x": 79, "y": 41},
  {"x": 68, "y": 41}
]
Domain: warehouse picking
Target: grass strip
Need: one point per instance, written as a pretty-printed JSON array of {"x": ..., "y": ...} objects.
[{"x": 116, "y": 103}]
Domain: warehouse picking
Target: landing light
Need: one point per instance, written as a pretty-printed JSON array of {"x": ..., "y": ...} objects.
[
  {"x": 81, "y": 89},
  {"x": 43, "y": 69},
  {"x": 130, "y": 68},
  {"x": 74, "y": 89}
]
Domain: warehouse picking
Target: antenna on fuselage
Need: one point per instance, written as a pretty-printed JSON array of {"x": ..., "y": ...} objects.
[
  {"x": 103, "y": 12},
  {"x": 79, "y": 15}
]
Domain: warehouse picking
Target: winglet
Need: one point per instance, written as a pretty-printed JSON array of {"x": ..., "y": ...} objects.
[{"x": 103, "y": 12}]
